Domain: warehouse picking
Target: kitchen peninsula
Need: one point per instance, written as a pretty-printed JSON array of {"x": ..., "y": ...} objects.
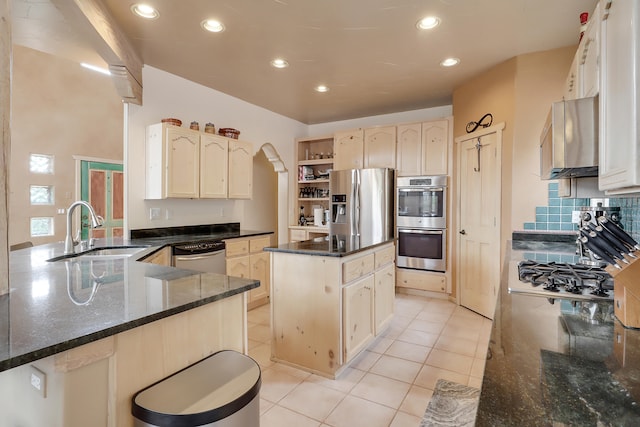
[
  {"x": 97, "y": 330},
  {"x": 329, "y": 300},
  {"x": 566, "y": 363}
]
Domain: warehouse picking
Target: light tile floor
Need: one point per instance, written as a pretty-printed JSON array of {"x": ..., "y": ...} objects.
[{"x": 388, "y": 384}]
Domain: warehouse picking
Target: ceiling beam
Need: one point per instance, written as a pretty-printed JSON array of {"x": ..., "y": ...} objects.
[{"x": 91, "y": 19}]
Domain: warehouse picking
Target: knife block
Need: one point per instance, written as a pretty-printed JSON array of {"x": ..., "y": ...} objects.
[{"x": 626, "y": 292}]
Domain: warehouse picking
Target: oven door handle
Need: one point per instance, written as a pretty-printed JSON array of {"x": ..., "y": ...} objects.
[
  {"x": 421, "y": 190},
  {"x": 414, "y": 231}
]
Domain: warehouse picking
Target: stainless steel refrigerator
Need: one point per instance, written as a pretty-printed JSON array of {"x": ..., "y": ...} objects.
[{"x": 361, "y": 206}]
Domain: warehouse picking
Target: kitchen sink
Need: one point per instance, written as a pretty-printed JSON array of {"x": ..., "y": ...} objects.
[{"x": 103, "y": 253}]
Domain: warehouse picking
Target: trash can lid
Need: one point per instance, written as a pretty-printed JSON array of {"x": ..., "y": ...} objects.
[{"x": 205, "y": 392}]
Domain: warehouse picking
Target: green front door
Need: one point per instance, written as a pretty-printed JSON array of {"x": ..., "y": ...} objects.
[{"x": 102, "y": 185}]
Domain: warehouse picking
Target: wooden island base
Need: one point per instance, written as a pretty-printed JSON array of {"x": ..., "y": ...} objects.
[{"x": 326, "y": 309}]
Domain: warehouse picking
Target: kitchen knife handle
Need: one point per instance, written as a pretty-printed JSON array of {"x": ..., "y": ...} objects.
[
  {"x": 597, "y": 251},
  {"x": 603, "y": 244},
  {"x": 612, "y": 239},
  {"x": 617, "y": 231}
]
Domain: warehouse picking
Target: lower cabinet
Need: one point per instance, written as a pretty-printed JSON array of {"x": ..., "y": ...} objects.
[
  {"x": 160, "y": 257},
  {"x": 302, "y": 233},
  {"x": 421, "y": 280},
  {"x": 358, "y": 300},
  {"x": 246, "y": 259},
  {"x": 385, "y": 291}
]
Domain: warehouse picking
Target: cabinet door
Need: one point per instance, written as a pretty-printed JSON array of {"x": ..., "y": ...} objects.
[
  {"x": 380, "y": 147},
  {"x": 435, "y": 147},
  {"x": 239, "y": 267},
  {"x": 161, "y": 257},
  {"x": 589, "y": 62},
  {"x": 384, "y": 294},
  {"x": 214, "y": 152},
  {"x": 260, "y": 271},
  {"x": 348, "y": 150},
  {"x": 619, "y": 143},
  {"x": 358, "y": 316},
  {"x": 409, "y": 150},
  {"x": 183, "y": 165},
  {"x": 571, "y": 83},
  {"x": 240, "y": 169}
]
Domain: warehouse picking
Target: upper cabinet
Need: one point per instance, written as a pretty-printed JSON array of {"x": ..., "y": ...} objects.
[
  {"x": 368, "y": 148},
  {"x": 380, "y": 147},
  {"x": 588, "y": 56},
  {"x": 183, "y": 163},
  {"x": 619, "y": 168},
  {"x": 348, "y": 150},
  {"x": 423, "y": 148}
]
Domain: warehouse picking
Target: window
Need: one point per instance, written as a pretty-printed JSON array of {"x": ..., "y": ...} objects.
[
  {"x": 41, "y": 226},
  {"x": 41, "y": 163},
  {"x": 41, "y": 195}
]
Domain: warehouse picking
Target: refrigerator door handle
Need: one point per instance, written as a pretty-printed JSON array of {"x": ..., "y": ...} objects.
[{"x": 356, "y": 199}]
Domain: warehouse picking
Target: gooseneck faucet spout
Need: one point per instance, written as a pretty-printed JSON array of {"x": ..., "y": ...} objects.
[{"x": 96, "y": 221}]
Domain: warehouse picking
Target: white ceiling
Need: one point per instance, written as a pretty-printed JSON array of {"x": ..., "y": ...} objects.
[{"x": 368, "y": 52}]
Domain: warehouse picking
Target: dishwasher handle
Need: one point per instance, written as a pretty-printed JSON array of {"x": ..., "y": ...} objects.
[{"x": 198, "y": 257}]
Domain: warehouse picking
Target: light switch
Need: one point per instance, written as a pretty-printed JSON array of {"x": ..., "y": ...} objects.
[
  {"x": 154, "y": 213},
  {"x": 38, "y": 380}
]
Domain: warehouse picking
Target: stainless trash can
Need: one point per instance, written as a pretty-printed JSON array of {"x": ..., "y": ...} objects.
[{"x": 221, "y": 390}]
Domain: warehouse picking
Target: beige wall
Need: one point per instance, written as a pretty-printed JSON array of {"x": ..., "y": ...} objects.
[
  {"x": 519, "y": 93},
  {"x": 62, "y": 109}
]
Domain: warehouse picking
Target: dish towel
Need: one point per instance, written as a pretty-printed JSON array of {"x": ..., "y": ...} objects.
[{"x": 452, "y": 405}]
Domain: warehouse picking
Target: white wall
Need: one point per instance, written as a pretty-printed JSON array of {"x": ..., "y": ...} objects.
[{"x": 167, "y": 95}]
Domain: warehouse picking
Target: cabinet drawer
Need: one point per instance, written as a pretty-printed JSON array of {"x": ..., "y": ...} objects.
[
  {"x": 385, "y": 256},
  {"x": 421, "y": 280},
  {"x": 356, "y": 268},
  {"x": 297, "y": 235},
  {"x": 257, "y": 244},
  {"x": 237, "y": 247}
]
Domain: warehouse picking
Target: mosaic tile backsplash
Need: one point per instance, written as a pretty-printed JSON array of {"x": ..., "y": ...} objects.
[{"x": 557, "y": 215}]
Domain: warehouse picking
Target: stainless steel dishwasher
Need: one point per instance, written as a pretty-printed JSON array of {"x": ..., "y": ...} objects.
[{"x": 208, "y": 257}]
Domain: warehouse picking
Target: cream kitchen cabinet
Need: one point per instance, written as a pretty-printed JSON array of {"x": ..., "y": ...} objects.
[
  {"x": 384, "y": 290},
  {"x": 589, "y": 57},
  {"x": 423, "y": 148},
  {"x": 240, "y": 169},
  {"x": 619, "y": 144},
  {"x": 183, "y": 163},
  {"x": 421, "y": 280},
  {"x": 368, "y": 148},
  {"x": 358, "y": 300},
  {"x": 348, "y": 150},
  {"x": 245, "y": 258},
  {"x": 380, "y": 147},
  {"x": 160, "y": 257},
  {"x": 571, "y": 84}
]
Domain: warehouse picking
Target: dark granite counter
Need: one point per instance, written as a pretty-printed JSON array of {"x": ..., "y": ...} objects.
[
  {"x": 325, "y": 246},
  {"x": 55, "y": 306},
  {"x": 557, "y": 364}
]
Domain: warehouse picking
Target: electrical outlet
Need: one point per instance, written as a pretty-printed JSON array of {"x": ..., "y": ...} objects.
[
  {"x": 38, "y": 380},
  {"x": 154, "y": 213},
  {"x": 221, "y": 212},
  {"x": 168, "y": 214}
]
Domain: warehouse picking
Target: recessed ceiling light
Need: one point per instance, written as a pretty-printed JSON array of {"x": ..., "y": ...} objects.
[
  {"x": 279, "y": 63},
  {"x": 322, "y": 88},
  {"x": 96, "y": 68},
  {"x": 450, "y": 62},
  {"x": 212, "y": 25},
  {"x": 145, "y": 11},
  {"x": 428, "y": 23}
]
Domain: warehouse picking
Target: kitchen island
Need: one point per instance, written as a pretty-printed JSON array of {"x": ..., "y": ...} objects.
[
  {"x": 566, "y": 363},
  {"x": 92, "y": 332},
  {"x": 329, "y": 300}
]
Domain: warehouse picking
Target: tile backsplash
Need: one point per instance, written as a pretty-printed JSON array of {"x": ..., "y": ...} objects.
[{"x": 556, "y": 216}]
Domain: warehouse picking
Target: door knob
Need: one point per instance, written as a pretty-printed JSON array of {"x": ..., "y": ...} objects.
[{"x": 463, "y": 232}]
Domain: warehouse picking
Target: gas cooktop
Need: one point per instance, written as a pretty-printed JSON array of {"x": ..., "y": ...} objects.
[{"x": 562, "y": 280}]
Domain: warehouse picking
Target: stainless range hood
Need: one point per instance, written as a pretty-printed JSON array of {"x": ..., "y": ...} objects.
[{"x": 569, "y": 140}]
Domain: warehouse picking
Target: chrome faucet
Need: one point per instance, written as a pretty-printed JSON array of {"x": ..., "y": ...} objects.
[{"x": 96, "y": 221}]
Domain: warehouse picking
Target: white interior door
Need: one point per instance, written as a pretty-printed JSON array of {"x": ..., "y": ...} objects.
[{"x": 479, "y": 189}]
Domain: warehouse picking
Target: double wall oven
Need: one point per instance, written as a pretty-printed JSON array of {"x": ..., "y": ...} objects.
[{"x": 422, "y": 223}]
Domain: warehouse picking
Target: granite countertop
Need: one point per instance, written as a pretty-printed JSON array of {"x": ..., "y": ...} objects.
[
  {"x": 557, "y": 364},
  {"x": 325, "y": 246},
  {"x": 55, "y": 306}
]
